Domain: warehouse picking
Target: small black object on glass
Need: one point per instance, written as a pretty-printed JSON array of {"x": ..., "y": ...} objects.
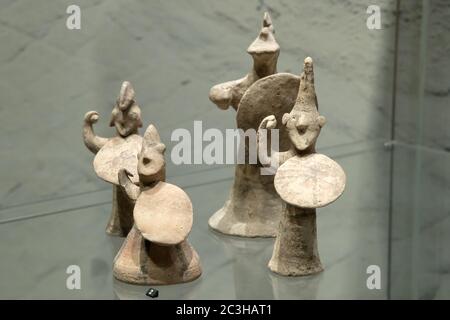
[{"x": 152, "y": 293}]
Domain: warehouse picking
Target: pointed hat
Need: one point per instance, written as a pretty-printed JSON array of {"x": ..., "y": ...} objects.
[
  {"x": 306, "y": 98},
  {"x": 265, "y": 42},
  {"x": 151, "y": 136}
]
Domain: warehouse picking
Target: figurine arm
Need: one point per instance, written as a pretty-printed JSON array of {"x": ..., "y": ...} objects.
[
  {"x": 229, "y": 93},
  {"x": 278, "y": 158},
  {"x": 127, "y": 185},
  {"x": 222, "y": 94},
  {"x": 92, "y": 142},
  {"x": 268, "y": 122}
]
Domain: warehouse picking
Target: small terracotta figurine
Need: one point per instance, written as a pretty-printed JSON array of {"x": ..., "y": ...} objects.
[
  {"x": 305, "y": 181},
  {"x": 253, "y": 208},
  {"x": 115, "y": 153},
  {"x": 156, "y": 250}
]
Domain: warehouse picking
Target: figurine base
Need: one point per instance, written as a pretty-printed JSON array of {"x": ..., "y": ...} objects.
[
  {"x": 295, "y": 251},
  {"x": 224, "y": 222},
  {"x": 121, "y": 220},
  {"x": 141, "y": 262},
  {"x": 253, "y": 208}
]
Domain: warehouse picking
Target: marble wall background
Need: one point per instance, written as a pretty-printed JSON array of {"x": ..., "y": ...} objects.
[
  {"x": 421, "y": 171},
  {"x": 423, "y": 95},
  {"x": 172, "y": 52}
]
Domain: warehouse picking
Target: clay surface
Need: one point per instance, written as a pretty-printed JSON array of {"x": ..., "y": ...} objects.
[
  {"x": 113, "y": 154},
  {"x": 156, "y": 250},
  {"x": 305, "y": 180},
  {"x": 164, "y": 214},
  {"x": 121, "y": 219},
  {"x": 116, "y": 154},
  {"x": 140, "y": 261},
  {"x": 272, "y": 95},
  {"x": 312, "y": 181},
  {"x": 253, "y": 207},
  {"x": 295, "y": 251}
]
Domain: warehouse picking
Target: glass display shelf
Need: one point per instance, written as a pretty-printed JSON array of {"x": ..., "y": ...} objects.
[
  {"x": 371, "y": 224},
  {"x": 40, "y": 240}
]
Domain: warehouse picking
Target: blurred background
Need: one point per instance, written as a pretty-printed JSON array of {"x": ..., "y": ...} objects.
[{"x": 385, "y": 93}]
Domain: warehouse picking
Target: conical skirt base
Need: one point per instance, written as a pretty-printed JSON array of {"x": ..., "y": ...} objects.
[
  {"x": 253, "y": 208},
  {"x": 142, "y": 262}
]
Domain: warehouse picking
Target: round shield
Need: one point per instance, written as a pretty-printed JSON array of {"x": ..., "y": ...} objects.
[
  {"x": 163, "y": 214},
  {"x": 312, "y": 181},
  {"x": 272, "y": 95},
  {"x": 116, "y": 154}
]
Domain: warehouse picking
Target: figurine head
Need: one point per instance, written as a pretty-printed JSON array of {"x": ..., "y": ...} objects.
[
  {"x": 151, "y": 163},
  {"x": 304, "y": 122},
  {"x": 265, "y": 48},
  {"x": 126, "y": 115},
  {"x": 265, "y": 51}
]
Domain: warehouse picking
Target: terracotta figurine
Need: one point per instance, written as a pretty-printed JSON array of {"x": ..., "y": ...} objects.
[
  {"x": 112, "y": 154},
  {"x": 156, "y": 250},
  {"x": 306, "y": 180},
  {"x": 253, "y": 207}
]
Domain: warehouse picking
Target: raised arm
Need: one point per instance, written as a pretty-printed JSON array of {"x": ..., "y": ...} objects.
[
  {"x": 92, "y": 142},
  {"x": 127, "y": 185},
  {"x": 277, "y": 158}
]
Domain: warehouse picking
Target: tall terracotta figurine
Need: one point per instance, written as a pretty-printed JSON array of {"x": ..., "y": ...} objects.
[
  {"x": 253, "y": 207},
  {"x": 306, "y": 180},
  {"x": 156, "y": 250},
  {"x": 112, "y": 154}
]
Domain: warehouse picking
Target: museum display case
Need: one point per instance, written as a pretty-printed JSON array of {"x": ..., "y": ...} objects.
[{"x": 384, "y": 92}]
